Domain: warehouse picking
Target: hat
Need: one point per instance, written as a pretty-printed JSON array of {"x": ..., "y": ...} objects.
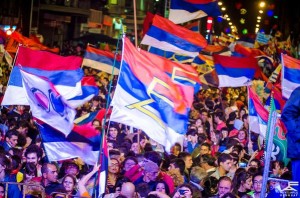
[{"x": 238, "y": 124}]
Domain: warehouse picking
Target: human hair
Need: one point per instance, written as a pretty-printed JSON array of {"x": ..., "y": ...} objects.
[
  {"x": 23, "y": 124},
  {"x": 30, "y": 169},
  {"x": 177, "y": 145},
  {"x": 183, "y": 155},
  {"x": 10, "y": 133},
  {"x": 178, "y": 163},
  {"x": 33, "y": 148},
  {"x": 225, "y": 178},
  {"x": 167, "y": 189},
  {"x": 187, "y": 185},
  {"x": 209, "y": 159},
  {"x": 223, "y": 158},
  {"x": 4, "y": 161},
  {"x": 197, "y": 174},
  {"x": 219, "y": 114},
  {"x": 154, "y": 157},
  {"x": 71, "y": 176},
  {"x": 239, "y": 179},
  {"x": 143, "y": 189},
  {"x": 192, "y": 132},
  {"x": 113, "y": 142},
  {"x": 207, "y": 145},
  {"x": 234, "y": 157},
  {"x": 130, "y": 158},
  {"x": 231, "y": 142},
  {"x": 210, "y": 186}
]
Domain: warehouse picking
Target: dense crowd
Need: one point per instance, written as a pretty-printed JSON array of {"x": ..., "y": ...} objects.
[{"x": 218, "y": 158}]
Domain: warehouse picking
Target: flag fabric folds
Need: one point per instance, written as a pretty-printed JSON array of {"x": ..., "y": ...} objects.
[
  {"x": 64, "y": 72},
  {"x": 147, "y": 98},
  {"x": 170, "y": 55},
  {"x": 101, "y": 60},
  {"x": 83, "y": 142},
  {"x": 186, "y": 10},
  {"x": 258, "y": 115},
  {"x": 89, "y": 89},
  {"x": 234, "y": 71},
  {"x": 279, "y": 139},
  {"x": 102, "y": 178},
  {"x": 168, "y": 36},
  {"x": 290, "y": 75},
  {"x": 47, "y": 104}
]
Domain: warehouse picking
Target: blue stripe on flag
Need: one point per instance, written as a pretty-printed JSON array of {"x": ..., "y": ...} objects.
[
  {"x": 176, "y": 41},
  {"x": 134, "y": 87}
]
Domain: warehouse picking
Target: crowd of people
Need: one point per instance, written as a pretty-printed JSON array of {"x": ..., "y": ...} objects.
[{"x": 220, "y": 156}]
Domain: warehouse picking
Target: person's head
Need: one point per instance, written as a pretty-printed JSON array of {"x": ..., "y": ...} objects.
[
  {"x": 129, "y": 162},
  {"x": 204, "y": 115},
  {"x": 198, "y": 174},
  {"x": 96, "y": 124},
  {"x": 242, "y": 180},
  {"x": 276, "y": 167},
  {"x": 114, "y": 166},
  {"x": 205, "y": 148},
  {"x": 207, "y": 160},
  {"x": 111, "y": 144},
  {"x": 185, "y": 190},
  {"x": 72, "y": 169},
  {"x": 187, "y": 158},
  {"x": 23, "y": 127},
  {"x": 33, "y": 154},
  {"x": 224, "y": 132},
  {"x": 242, "y": 135},
  {"x": 49, "y": 173},
  {"x": 255, "y": 163},
  {"x": 2, "y": 190},
  {"x": 177, "y": 163},
  {"x": 210, "y": 185},
  {"x": 224, "y": 186},
  {"x": 235, "y": 159},
  {"x": 176, "y": 149},
  {"x": 11, "y": 137},
  {"x": 153, "y": 156},
  {"x": 151, "y": 171},
  {"x": 198, "y": 122},
  {"x": 162, "y": 186},
  {"x": 225, "y": 161},
  {"x": 127, "y": 190},
  {"x": 218, "y": 116},
  {"x": 69, "y": 182},
  {"x": 257, "y": 182},
  {"x": 135, "y": 147},
  {"x": 30, "y": 171},
  {"x": 5, "y": 164},
  {"x": 192, "y": 135},
  {"x": 113, "y": 131}
]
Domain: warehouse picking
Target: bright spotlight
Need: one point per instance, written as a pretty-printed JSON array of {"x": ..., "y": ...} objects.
[{"x": 262, "y": 4}]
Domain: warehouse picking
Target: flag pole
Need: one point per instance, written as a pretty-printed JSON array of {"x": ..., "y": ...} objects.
[
  {"x": 105, "y": 117},
  {"x": 269, "y": 138},
  {"x": 135, "y": 24}
]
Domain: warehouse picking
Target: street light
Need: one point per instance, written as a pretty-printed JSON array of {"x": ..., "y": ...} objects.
[
  {"x": 223, "y": 8},
  {"x": 261, "y": 11},
  {"x": 262, "y": 4},
  {"x": 220, "y": 3}
]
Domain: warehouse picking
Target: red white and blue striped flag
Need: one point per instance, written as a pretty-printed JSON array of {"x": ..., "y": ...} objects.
[
  {"x": 102, "y": 60},
  {"x": 166, "y": 35},
  {"x": 290, "y": 75},
  {"x": 147, "y": 98},
  {"x": 186, "y": 10}
]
